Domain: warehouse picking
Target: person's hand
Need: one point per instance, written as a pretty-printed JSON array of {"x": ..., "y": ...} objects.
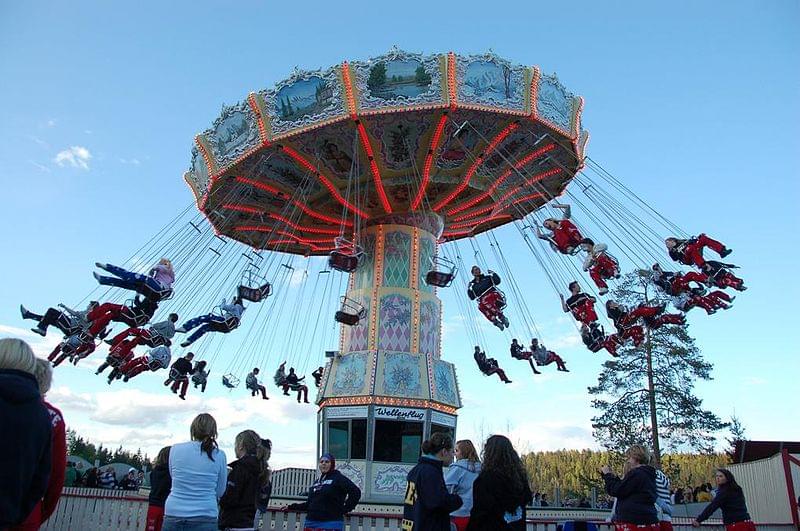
[
  {"x": 695, "y": 523},
  {"x": 605, "y": 470}
]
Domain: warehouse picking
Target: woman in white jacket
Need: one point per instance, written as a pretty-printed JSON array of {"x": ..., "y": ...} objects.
[{"x": 459, "y": 478}]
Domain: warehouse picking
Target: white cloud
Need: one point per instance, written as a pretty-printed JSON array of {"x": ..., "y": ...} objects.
[
  {"x": 75, "y": 156},
  {"x": 50, "y": 123},
  {"x": 133, "y": 161}
]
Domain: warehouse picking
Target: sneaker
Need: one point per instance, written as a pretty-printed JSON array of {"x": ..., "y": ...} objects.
[
  {"x": 564, "y": 370},
  {"x": 185, "y": 344},
  {"x": 97, "y": 276},
  {"x": 725, "y": 252},
  {"x": 505, "y": 320},
  {"x": 602, "y": 291},
  {"x": 507, "y": 381},
  {"x": 306, "y": 402},
  {"x": 37, "y": 330},
  {"x": 101, "y": 265},
  {"x": 742, "y": 288},
  {"x": 125, "y": 378},
  {"x": 182, "y": 397},
  {"x": 733, "y": 298},
  {"x": 24, "y": 311},
  {"x": 109, "y": 342},
  {"x": 181, "y": 330},
  {"x": 712, "y": 311}
]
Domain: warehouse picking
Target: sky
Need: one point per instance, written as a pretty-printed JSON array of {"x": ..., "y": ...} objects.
[{"x": 692, "y": 104}]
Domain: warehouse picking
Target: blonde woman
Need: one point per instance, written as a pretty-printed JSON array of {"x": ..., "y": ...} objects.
[
  {"x": 27, "y": 442},
  {"x": 199, "y": 476},
  {"x": 157, "y": 285},
  {"x": 459, "y": 479}
]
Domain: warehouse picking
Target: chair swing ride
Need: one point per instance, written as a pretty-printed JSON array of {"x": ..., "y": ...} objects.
[{"x": 387, "y": 167}]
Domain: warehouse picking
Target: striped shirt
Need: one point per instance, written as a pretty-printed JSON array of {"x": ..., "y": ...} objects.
[{"x": 663, "y": 503}]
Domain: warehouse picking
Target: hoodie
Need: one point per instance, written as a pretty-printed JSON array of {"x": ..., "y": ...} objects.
[
  {"x": 428, "y": 504},
  {"x": 26, "y": 422},
  {"x": 636, "y": 495},
  {"x": 330, "y": 497},
  {"x": 459, "y": 479}
]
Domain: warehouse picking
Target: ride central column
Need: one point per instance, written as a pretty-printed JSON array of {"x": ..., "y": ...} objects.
[{"x": 387, "y": 389}]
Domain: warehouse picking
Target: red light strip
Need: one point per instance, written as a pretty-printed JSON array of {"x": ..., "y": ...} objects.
[
  {"x": 527, "y": 159},
  {"x": 295, "y": 202},
  {"x": 295, "y": 226},
  {"x": 451, "y": 79},
  {"x": 526, "y": 198},
  {"x": 324, "y": 180},
  {"x": 426, "y": 172},
  {"x": 259, "y": 185},
  {"x": 467, "y": 176},
  {"x": 243, "y": 208},
  {"x": 362, "y": 136},
  {"x": 474, "y": 223},
  {"x": 528, "y": 182},
  {"x": 294, "y": 238},
  {"x": 474, "y": 213},
  {"x": 376, "y": 174}
]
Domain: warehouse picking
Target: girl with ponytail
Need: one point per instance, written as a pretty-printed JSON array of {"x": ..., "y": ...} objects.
[
  {"x": 199, "y": 476},
  {"x": 249, "y": 473},
  {"x": 428, "y": 505}
]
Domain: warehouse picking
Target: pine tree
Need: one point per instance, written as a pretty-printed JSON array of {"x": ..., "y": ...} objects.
[
  {"x": 646, "y": 395},
  {"x": 737, "y": 435}
]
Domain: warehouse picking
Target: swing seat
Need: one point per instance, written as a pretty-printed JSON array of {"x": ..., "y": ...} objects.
[
  {"x": 440, "y": 279},
  {"x": 346, "y": 263},
  {"x": 254, "y": 294},
  {"x": 230, "y": 381},
  {"x": 198, "y": 378},
  {"x": 350, "y": 313},
  {"x": 346, "y": 257},
  {"x": 349, "y": 319}
]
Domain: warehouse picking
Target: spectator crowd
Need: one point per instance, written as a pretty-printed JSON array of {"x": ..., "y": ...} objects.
[{"x": 193, "y": 487}]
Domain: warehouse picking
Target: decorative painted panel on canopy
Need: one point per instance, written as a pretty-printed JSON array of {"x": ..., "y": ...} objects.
[{"x": 477, "y": 139}]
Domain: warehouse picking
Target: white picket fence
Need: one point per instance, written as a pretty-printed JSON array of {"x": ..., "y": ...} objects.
[{"x": 104, "y": 510}]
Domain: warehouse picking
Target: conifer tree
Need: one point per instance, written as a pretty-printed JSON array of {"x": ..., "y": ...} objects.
[{"x": 646, "y": 395}]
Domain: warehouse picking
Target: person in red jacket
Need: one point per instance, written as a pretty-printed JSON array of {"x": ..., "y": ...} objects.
[
  {"x": 719, "y": 275},
  {"x": 491, "y": 300},
  {"x": 564, "y": 236},
  {"x": 43, "y": 372},
  {"x": 600, "y": 265},
  {"x": 690, "y": 252},
  {"x": 579, "y": 304}
]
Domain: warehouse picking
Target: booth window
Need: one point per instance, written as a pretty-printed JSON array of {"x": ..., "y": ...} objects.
[
  {"x": 397, "y": 442},
  {"x": 347, "y": 439},
  {"x": 438, "y": 428}
]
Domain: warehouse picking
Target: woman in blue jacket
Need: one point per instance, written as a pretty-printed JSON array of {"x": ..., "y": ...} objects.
[
  {"x": 459, "y": 479},
  {"x": 331, "y": 497}
]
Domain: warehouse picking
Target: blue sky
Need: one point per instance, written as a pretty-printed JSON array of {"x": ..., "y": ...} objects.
[{"x": 693, "y": 104}]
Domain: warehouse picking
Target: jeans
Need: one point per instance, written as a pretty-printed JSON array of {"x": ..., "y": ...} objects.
[
  {"x": 213, "y": 323},
  {"x": 194, "y": 523},
  {"x": 146, "y": 285}
]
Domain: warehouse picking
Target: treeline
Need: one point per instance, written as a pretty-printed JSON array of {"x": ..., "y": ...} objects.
[
  {"x": 80, "y": 447},
  {"x": 575, "y": 472}
]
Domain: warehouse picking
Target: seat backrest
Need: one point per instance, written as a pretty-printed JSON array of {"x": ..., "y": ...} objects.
[
  {"x": 347, "y": 318},
  {"x": 346, "y": 263},
  {"x": 440, "y": 279}
]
